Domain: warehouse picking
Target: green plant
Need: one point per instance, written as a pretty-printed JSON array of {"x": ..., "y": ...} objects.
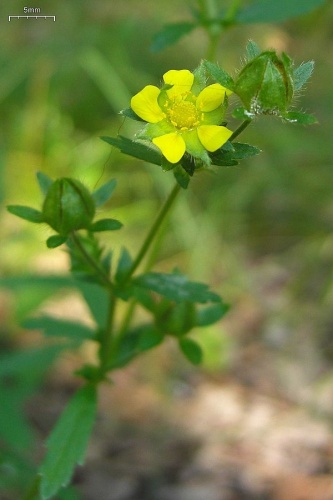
[{"x": 184, "y": 131}]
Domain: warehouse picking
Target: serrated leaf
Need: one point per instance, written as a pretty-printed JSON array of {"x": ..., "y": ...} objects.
[
  {"x": 220, "y": 75},
  {"x": 300, "y": 118},
  {"x": 54, "y": 327},
  {"x": 27, "y": 213},
  {"x": 191, "y": 350},
  {"x": 106, "y": 225},
  {"x": 176, "y": 287},
  {"x": 135, "y": 149},
  {"x": 266, "y": 11},
  {"x": 170, "y": 34},
  {"x": 44, "y": 182},
  {"x": 252, "y": 50},
  {"x": 302, "y": 74},
  {"x": 242, "y": 151},
  {"x": 66, "y": 446},
  {"x": 129, "y": 113},
  {"x": 104, "y": 193},
  {"x": 226, "y": 157},
  {"x": 55, "y": 241}
]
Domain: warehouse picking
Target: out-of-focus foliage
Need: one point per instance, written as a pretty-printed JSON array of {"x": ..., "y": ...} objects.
[{"x": 267, "y": 223}]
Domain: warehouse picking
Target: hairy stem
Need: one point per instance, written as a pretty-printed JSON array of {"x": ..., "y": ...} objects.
[
  {"x": 141, "y": 254},
  {"x": 153, "y": 231},
  {"x": 240, "y": 129},
  {"x": 91, "y": 261}
]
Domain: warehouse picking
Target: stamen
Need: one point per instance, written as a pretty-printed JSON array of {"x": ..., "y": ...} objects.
[{"x": 182, "y": 112}]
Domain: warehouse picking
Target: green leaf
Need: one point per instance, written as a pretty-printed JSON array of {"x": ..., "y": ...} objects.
[
  {"x": 124, "y": 265},
  {"x": 242, "y": 151},
  {"x": 55, "y": 241},
  {"x": 175, "y": 318},
  {"x": 211, "y": 314},
  {"x": 137, "y": 340},
  {"x": 106, "y": 225},
  {"x": 29, "y": 360},
  {"x": 44, "y": 182},
  {"x": 104, "y": 193},
  {"x": 176, "y": 287},
  {"x": 191, "y": 350},
  {"x": 47, "y": 281},
  {"x": 54, "y": 327},
  {"x": 302, "y": 74},
  {"x": 135, "y": 149},
  {"x": 170, "y": 34},
  {"x": 32, "y": 290},
  {"x": 300, "y": 118},
  {"x": 272, "y": 11},
  {"x": 181, "y": 176},
  {"x": 68, "y": 441},
  {"x": 252, "y": 50},
  {"x": 149, "y": 338},
  {"x": 14, "y": 428},
  {"x": 27, "y": 213},
  {"x": 221, "y": 76},
  {"x": 129, "y": 113},
  {"x": 200, "y": 79},
  {"x": 227, "y": 156},
  {"x": 97, "y": 299}
]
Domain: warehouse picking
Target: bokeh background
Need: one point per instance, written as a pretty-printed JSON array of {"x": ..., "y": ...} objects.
[{"x": 259, "y": 412}]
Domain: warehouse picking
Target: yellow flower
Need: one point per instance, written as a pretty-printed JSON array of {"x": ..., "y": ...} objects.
[{"x": 183, "y": 116}]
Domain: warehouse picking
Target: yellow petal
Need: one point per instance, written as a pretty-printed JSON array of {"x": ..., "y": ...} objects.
[
  {"x": 145, "y": 104},
  {"x": 172, "y": 146},
  {"x": 182, "y": 81},
  {"x": 212, "y": 137},
  {"x": 211, "y": 97}
]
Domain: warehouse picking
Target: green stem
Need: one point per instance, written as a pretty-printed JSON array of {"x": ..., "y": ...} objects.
[
  {"x": 141, "y": 254},
  {"x": 240, "y": 129},
  {"x": 213, "y": 28},
  {"x": 153, "y": 231},
  {"x": 231, "y": 13},
  {"x": 107, "y": 340},
  {"x": 214, "y": 25},
  {"x": 91, "y": 261}
]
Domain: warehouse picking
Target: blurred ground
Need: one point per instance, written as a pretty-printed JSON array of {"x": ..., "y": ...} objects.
[
  {"x": 255, "y": 423},
  {"x": 201, "y": 437}
]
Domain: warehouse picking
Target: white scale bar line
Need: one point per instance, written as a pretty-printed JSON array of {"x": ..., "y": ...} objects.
[{"x": 35, "y": 17}]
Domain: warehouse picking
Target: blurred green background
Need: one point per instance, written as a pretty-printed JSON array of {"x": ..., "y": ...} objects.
[{"x": 260, "y": 233}]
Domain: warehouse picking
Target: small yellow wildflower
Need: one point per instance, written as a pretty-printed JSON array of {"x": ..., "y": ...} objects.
[{"x": 183, "y": 116}]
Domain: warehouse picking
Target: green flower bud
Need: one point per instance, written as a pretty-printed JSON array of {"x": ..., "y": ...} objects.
[
  {"x": 265, "y": 84},
  {"x": 68, "y": 206}
]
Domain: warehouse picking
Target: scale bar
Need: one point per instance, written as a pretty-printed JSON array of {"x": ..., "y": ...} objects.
[{"x": 34, "y": 17}]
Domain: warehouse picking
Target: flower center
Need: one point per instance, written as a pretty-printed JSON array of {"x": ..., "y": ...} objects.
[{"x": 183, "y": 114}]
